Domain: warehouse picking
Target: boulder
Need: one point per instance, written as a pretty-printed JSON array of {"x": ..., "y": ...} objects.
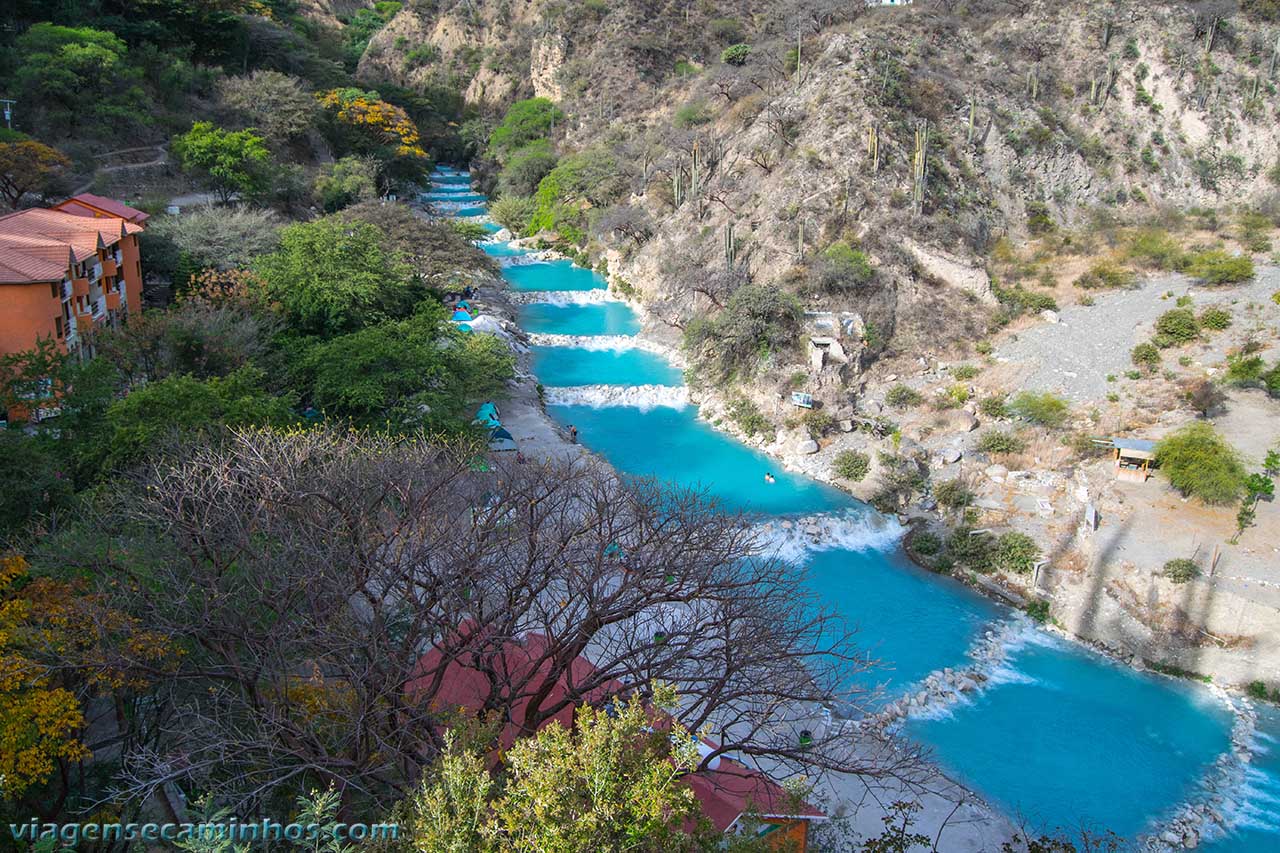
[
  {"x": 996, "y": 473},
  {"x": 808, "y": 448},
  {"x": 1049, "y": 315},
  {"x": 951, "y": 455},
  {"x": 962, "y": 421},
  {"x": 846, "y": 425}
]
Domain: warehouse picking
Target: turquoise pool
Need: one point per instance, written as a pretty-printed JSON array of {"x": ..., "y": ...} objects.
[
  {"x": 605, "y": 318},
  {"x": 557, "y": 366},
  {"x": 552, "y": 275}
]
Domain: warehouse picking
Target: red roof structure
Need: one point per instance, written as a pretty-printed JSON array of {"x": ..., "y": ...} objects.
[
  {"x": 38, "y": 244},
  {"x": 727, "y": 789},
  {"x": 88, "y": 204}
]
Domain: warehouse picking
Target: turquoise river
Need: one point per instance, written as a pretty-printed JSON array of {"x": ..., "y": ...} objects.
[{"x": 1060, "y": 735}]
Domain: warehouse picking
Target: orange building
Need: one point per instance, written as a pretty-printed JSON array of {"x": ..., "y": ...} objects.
[{"x": 62, "y": 274}]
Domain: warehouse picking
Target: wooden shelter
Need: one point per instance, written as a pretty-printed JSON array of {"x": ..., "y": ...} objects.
[{"x": 1133, "y": 458}]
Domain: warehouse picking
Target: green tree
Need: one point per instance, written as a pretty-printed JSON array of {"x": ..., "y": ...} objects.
[
  {"x": 525, "y": 168},
  {"x": 76, "y": 76},
  {"x": 349, "y": 181},
  {"x": 418, "y": 372},
  {"x": 183, "y": 404},
  {"x": 758, "y": 321},
  {"x": 28, "y": 166},
  {"x": 524, "y": 122},
  {"x": 37, "y": 482},
  {"x": 1200, "y": 463},
  {"x": 610, "y": 785},
  {"x": 228, "y": 162},
  {"x": 842, "y": 267},
  {"x": 331, "y": 277}
]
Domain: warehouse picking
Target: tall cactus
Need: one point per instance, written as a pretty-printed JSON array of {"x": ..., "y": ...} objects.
[
  {"x": 677, "y": 185},
  {"x": 873, "y": 147},
  {"x": 730, "y": 245},
  {"x": 920, "y": 164},
  {"x": 973, "y": 118}
]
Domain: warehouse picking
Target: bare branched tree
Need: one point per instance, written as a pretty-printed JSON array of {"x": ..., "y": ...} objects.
[{"x": 301, "y": 579}]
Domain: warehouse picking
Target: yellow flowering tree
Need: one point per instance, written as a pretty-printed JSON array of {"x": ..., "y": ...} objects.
[
  {"x": 39, "y": 723},
  {"x": 386, "y": 125}
]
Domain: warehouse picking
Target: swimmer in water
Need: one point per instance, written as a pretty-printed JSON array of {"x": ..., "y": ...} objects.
[{"x": 768, "y": 478}]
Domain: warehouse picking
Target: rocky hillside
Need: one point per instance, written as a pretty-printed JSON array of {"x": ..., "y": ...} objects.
[{"x": 1032, "y": 116}]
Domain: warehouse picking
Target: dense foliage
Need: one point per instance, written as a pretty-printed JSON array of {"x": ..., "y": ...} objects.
[{"x": 1200, "y": 463}]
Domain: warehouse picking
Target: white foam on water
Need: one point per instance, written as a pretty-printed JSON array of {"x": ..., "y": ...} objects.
[
  {"x": 606, "y": 343},
  {"x": 642, "y": 397},
  {"x": 594, "y": 296},
  {"x": 936, "y": 696},
  {"x": 791, "y": 539}
]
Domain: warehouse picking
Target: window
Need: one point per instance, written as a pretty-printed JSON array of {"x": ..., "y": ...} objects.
[
  {"x": 57, "y": 322},
  {"x": 53, "y": 289}
]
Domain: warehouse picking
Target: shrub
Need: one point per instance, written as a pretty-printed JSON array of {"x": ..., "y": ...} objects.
[
  {"x": 1015, "y": 552},
  {"x": 1215, "y": 266},
  {"x": 993, "y": 406},
  {"x": 1257, "y": 690},
  {"x": 851, "y": 465},
  {"x": 953, "y": 494},
  {"x": 818, "y": 422},
  {"x": 692, "y": 114},
  {"x": 1181, "y": 570},
  {"x": 525, "y": 168},
  {"x": 735, "y": 54},
  {"x": 1215, "y": 318},
  {"x": 1200, "y": 463},
  {"x": 972, "y": 550},
  {"x": 1106, "y": 274},
  {"x": 748, "y": 417},
  {"x": 902, "y": 397},
  {"x": 965, "y": 372},
  {"x": 1155, "y": 247},
  {"x": 842, "y": 267},
  {"x": 1019, "y": 300},
  {"x": 996, "y": 441},
  {"x": 1039, "y": 220},
  {"x": 1038, "y": 610},
  {"x": 1245, "y": 369},
  {"x": 1146, "y": 356},
  {"x": 1176, "y": 327},
  {"x": 1046, "y": 409},
  {"x": 925, "y": 543}
]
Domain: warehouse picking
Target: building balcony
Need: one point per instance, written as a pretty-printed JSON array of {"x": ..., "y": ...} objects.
[
  {"x": 113, "y": 301},
  {"x": 84, "y": 324},
  {"x": 109, "y": 266},
  {"x": 97, "y": 271},
  {"x": 80, "y": 287}
]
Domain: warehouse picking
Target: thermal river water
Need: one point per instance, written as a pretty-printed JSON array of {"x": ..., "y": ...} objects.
[{"x": 1057, "y": 734}]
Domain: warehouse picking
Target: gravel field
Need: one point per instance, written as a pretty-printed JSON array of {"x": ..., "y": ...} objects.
[{"x": 1073, "y": 356}]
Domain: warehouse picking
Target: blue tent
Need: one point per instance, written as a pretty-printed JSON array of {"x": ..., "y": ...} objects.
[
  {"x": 487, "y": 415},
  {"x": 462, "y": 303},
  {"x": 500, "y": 441},
  {"x": 461, "y": 315},
  {"x": 464, "y": 328}
]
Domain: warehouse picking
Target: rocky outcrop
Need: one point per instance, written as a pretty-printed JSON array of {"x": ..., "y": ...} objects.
[{"x": 969, "y": 276}]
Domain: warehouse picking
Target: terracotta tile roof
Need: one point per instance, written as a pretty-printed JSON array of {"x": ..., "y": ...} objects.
[
  {"x": 38, "y": 245},
  {"x": 105, "y": 205},
  {"x": 727, "y": 789}
]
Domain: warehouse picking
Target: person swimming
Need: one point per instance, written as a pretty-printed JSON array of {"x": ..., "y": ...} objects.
[{"x": 768, "y": 477}]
